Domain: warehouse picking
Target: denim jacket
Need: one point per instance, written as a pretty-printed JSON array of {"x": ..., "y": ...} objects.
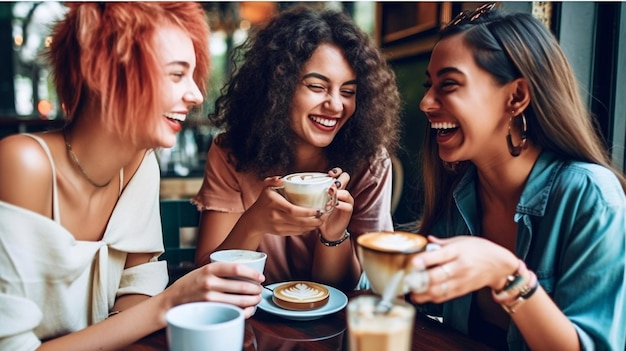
[{"x": 572, "y": 233}]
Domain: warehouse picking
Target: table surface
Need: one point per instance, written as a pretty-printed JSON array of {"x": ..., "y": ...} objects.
[{"x": 267, "y": 332}]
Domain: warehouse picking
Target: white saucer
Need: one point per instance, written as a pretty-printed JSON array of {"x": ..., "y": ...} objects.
[{"x": 336, "y": 301}]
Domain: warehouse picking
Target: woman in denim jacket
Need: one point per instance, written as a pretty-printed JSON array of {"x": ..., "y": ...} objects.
[{"x": 519, "y": 192}]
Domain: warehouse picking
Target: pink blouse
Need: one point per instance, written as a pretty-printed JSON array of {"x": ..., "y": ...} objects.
[{"x": 290, "y": 258}]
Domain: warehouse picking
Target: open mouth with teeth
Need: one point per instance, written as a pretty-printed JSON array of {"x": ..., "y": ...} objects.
[
  {"x": 444, "y": 128},
  {"x": 175, "y": 116},
  {"x": 324, "y": 122}
]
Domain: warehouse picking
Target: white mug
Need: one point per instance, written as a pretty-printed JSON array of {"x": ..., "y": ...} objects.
[
  {"x": 201, "y": 326},
  {"x": 250, "y": 258},
  {"x": 309, "y": 189}
]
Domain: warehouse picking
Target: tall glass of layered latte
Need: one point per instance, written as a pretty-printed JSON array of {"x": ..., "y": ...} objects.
[{"x": 372, "y": 331}]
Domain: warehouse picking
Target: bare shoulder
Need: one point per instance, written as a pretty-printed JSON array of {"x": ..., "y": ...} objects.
[{"x": 25, "y": 174}]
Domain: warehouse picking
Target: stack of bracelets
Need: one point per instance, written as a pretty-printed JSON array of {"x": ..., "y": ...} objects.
[{"x": 519, "y": 287}]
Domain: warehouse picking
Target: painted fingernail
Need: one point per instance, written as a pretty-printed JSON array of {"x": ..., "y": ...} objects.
[
  {"x": 318, "y": 214},
  {"x": 335, "y": 170},
  {"x": 338, "y": 184}
]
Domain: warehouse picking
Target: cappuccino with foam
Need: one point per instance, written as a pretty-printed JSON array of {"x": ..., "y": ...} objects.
[
  {"x": 386, "y": 254},
  {"x": 309, "y": 189}
]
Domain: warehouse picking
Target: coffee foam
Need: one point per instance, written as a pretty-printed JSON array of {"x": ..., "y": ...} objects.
[
  {"x": 244, "y": 256},
  {"x": 302, "y": 292},
  {"x": 239, "y": 256},
  {"x": 393, "y": 241},
  {"x": 307, "y": 178}
]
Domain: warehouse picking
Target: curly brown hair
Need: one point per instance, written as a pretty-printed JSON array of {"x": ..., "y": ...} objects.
[{"x": 254, "y": 108}]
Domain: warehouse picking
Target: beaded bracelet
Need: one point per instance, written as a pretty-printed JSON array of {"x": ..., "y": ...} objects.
[{"x": 345, "y": 236}]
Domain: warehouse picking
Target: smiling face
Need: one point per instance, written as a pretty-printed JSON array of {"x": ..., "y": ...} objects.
[
  {"x": 465, "y": 104},
  {"x": 179, "y": 92},
  {"x": 325, "y": 97}
]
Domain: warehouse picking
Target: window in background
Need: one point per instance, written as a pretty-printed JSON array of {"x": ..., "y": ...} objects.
[{"x": 34, "y": 93}]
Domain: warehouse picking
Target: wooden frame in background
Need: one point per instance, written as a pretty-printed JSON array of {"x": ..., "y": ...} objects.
[{"x": 409, "y": 28}]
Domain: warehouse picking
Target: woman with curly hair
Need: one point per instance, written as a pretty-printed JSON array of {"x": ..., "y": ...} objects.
[
  {"x": 313, "y": 94},
  {"x": 80, "y": 228}
]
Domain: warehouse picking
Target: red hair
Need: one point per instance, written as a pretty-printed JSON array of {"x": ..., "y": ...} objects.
[{"x": 106, "y": 52}]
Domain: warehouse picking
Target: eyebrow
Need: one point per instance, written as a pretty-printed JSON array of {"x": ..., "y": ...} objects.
[
  {"x": 324, "y": 78},
  {"x": 179, "y": 63},
  {"x": 445, "y": 70}
]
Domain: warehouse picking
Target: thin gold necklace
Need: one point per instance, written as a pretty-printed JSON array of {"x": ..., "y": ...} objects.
[{"x": 75, "y": 161}]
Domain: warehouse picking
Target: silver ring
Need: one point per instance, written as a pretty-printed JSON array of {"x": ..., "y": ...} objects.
[
  {"x": 446, "y": 270},
  {"x": 444, "y": 289}
]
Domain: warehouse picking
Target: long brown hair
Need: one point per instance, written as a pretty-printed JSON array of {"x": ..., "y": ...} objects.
[{"x": 510, "y": 46}]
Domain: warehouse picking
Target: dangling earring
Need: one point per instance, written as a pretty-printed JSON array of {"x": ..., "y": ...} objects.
[{"x": 517, "y": 150}]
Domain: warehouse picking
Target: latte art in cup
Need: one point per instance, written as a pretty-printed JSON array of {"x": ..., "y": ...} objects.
[
  {"x": 300, "y": 295},
  {"x": 309, "y": 189},
  {"x": 307, "y": 178}
]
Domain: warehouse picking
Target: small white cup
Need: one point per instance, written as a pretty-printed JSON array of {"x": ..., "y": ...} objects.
[
  {"x": 252, "y": 259},
  {"x": 201, "y": 326},
  {"x": 309, "y": 189}
]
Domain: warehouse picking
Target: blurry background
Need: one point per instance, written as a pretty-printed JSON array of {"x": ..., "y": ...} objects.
[{"x": 591, "y": 33}]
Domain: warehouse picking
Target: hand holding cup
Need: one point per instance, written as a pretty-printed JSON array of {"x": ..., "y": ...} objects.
[
  {"x": 385, "y": 255},
  {"x": 309, "y": 189}
]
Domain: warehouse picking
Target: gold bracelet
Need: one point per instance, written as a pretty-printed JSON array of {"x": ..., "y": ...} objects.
[{"x": 345, "y": 236}]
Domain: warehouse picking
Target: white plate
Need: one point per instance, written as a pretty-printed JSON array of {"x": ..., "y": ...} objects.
[{"x": 336, "y": 301}]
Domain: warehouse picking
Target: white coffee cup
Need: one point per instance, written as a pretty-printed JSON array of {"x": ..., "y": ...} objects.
[
  {"x": 201, "y": 326},
  {"x": 309, "y": 189},
  {"x": 252, "y": 259}
]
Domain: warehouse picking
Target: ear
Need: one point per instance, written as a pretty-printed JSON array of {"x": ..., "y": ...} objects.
[{"x": 520, "y": 95}]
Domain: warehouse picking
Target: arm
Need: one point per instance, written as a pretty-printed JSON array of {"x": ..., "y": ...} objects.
[
  {"x": 367, "y": 208},
  {"x": 209, "y": 283},
  {"x": 576, "y": 245},
  {"x": 270, "y": 213},
  {"x": 238, "y": 210},
  {"x": 541, "y": 322},
  {"x": 337, "y": 265}
]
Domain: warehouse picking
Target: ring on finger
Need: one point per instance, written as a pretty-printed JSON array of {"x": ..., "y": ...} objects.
[{"x": 446, "y": 270}]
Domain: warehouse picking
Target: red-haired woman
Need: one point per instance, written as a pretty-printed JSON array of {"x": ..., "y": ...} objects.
[{"x": 79, "y": 218}]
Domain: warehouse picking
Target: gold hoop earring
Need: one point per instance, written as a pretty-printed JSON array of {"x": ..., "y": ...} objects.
[{"x": 517, "y": 150}]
